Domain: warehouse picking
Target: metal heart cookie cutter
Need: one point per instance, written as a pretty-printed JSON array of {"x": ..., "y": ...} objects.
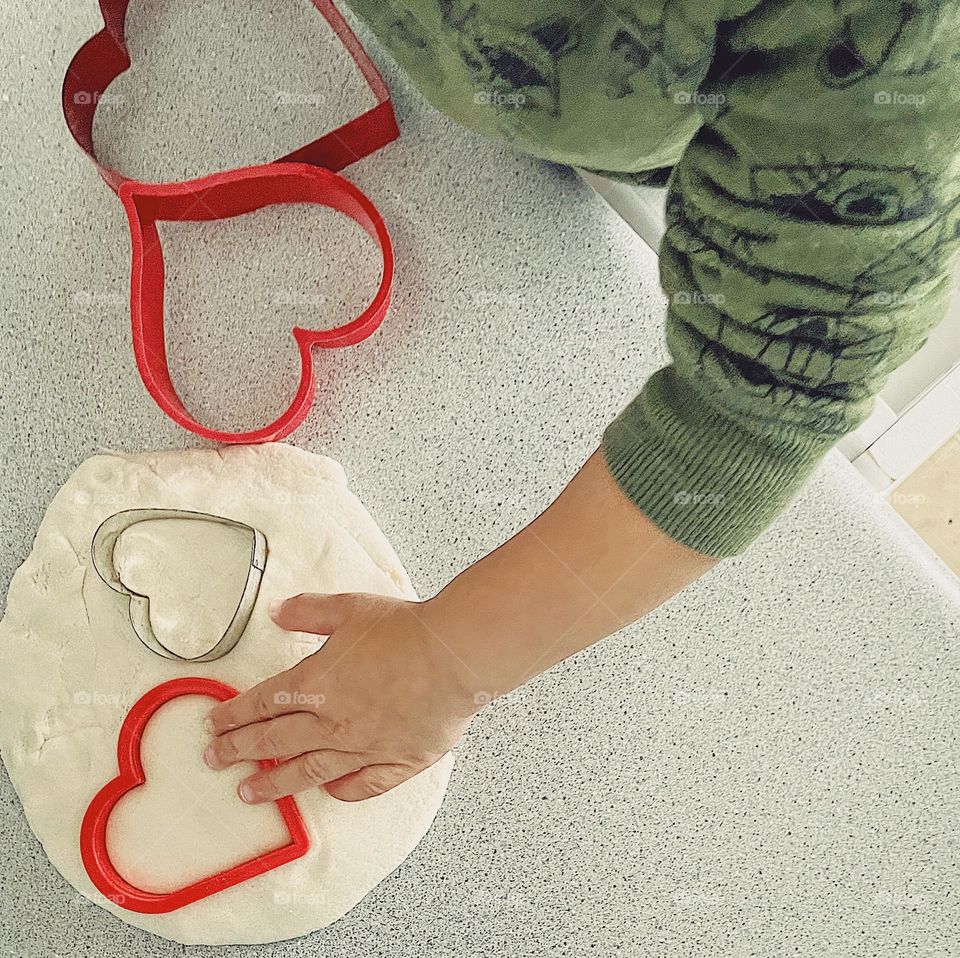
[{"x": 101, "y": 554}]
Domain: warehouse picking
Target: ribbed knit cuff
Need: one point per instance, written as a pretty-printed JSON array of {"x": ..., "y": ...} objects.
[{"x": 702, "y": 478}]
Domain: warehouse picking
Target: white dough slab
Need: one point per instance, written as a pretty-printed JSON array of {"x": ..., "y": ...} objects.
[{"x": 73, "y": 667}]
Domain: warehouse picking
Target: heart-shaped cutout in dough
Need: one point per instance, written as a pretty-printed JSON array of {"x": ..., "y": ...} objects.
[{"x": 191, "y": 579}]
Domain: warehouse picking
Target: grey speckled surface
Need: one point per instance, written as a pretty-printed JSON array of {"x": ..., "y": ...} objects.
[{"x": 767, "y": 766}]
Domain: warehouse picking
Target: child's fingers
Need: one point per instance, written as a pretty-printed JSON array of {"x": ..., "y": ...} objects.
[
  {"x": 298, "y": 774},
  {"x": 281, "y": 737},
  {"x": 311, "y": 612},
  {"x": 275, "y": 696},
  {"x": 369, "y": 782}
]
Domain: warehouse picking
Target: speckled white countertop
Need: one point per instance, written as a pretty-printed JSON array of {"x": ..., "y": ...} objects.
[{"x": 766, "y": 766}]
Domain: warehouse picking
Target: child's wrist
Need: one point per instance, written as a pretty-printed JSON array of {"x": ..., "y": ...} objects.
[{"x": 485, "y": 626}]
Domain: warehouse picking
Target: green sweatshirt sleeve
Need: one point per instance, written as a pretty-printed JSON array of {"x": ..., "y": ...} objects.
[
  {"x": 811, "y": 224},
  {"x": 812, "y": 211}
]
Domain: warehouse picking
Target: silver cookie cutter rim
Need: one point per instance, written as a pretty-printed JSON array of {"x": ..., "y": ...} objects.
[{"x": 101, "y": 555}]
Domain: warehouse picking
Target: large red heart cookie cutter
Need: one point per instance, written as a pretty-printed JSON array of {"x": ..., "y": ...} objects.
[
  {"x": 93, "y": 830},
  {"x": 221, "y": 196},
  {"x": 305, "y": 175}
]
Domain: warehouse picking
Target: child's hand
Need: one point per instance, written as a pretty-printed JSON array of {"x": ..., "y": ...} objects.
[{"x": 382, "y": 700}]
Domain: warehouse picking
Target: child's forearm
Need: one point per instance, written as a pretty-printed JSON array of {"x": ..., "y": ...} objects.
[
  {"x": 397, "y": 682},
  {"x": 585, "y": 568}
]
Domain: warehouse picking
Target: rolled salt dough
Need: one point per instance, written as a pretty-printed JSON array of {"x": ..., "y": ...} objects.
[{"x": 72, "y": 668}]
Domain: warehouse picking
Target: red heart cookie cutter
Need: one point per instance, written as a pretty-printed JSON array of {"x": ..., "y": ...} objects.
[
  {"x": 95, "y": 66},
  {"x": 218, "y": 197},
  {"x": 93, "y": 830}
]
